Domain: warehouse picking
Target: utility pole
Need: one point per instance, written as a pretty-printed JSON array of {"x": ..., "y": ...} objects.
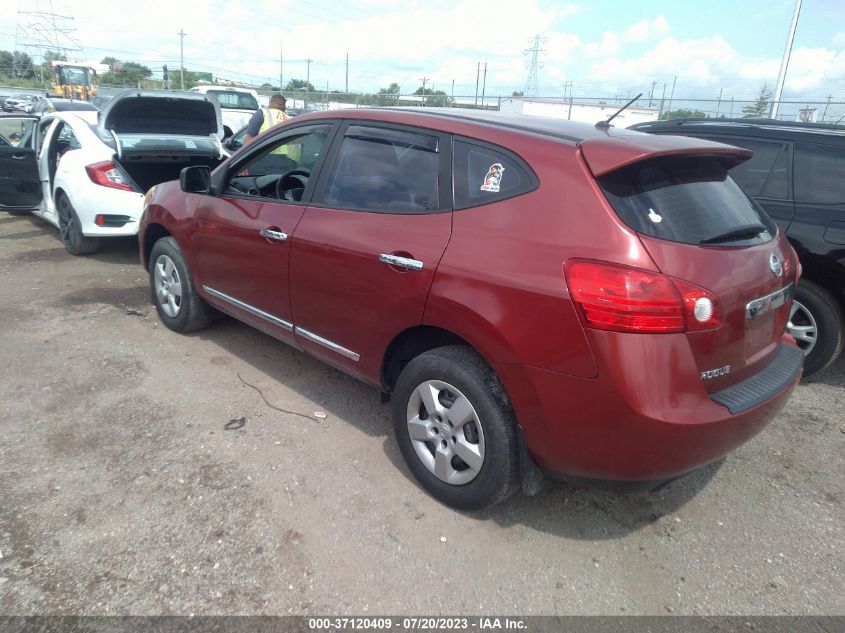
[
  {"x": 346, "y": 89},
  {"x": 182, "y": 35},
  {"x": 784, "y": 63},
  {"x": 672, "y": 95},
  {"x": 484, "y": 85},
  {"x": 308, "y": 72},
  {"x": 662, "y": 101},
  {"x": 718, "y": 103},
  {"x": 281, "y": 66},
  {"x": 824, "y": 114},
  {"x": 477, "y": 77},
  {"x": 651, "y": 93},
  {"x": 423, "y": 80},
  {"x": 453, "y": 94}
]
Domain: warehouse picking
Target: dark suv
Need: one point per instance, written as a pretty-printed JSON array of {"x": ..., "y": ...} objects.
[
  {"x": 602, "y": 303},
  {"x": 797, "y": 174}
]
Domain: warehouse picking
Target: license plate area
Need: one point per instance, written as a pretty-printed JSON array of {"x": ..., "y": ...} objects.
[{"x": 761, "y": 321}]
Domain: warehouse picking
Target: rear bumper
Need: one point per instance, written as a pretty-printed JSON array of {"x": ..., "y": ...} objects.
[
  {"x": 93, "y": 200},
  {"x": 642, "y": 419}
]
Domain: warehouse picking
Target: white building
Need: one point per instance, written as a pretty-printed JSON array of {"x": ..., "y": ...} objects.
[{"x": 581, "y": 112}]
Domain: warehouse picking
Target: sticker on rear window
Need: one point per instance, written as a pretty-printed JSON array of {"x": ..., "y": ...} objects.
[{"x": 493, "y": 179}]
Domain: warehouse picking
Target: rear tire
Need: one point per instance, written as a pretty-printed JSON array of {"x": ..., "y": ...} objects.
[
  {"x": 75, "y": 242},
  {"x": 465, "y": 452},
  {"x": 818, "y": 326},
  {"x": 179, "y": 306}
]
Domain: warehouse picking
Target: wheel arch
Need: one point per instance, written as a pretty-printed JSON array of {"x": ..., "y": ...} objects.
[
  {"x": 412, "y": 342},
  {"x": 152, "y": 234}
]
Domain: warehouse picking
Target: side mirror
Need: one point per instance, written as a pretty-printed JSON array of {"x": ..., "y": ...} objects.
[{"x": 195, "y": 179}]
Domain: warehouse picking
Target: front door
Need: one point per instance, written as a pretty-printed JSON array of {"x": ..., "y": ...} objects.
[
  {"x": 364, "y": 255},
  {"x": 20, "y": 186},
  {"x": 241, "y": 243}
]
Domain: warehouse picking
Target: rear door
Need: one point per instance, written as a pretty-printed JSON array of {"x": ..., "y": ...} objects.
[
  {"x": 766, "y": 176},
  {"x": 700, "y": 227},
  {"x": 20, "y": 186},
  {"x": 364, "y": 255},
  {"x": 242, "y": 237},
  {"x": 819, "y": 229}
]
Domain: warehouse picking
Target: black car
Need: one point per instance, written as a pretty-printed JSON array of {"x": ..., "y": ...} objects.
[
  {"x": 55, "y": 104},
  {"x": 797, "y": 174}
]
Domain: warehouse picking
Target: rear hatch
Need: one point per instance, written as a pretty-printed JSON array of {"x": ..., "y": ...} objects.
[
  {"x": 700, "y": 228},
  {"x": 148, "y": 123}
]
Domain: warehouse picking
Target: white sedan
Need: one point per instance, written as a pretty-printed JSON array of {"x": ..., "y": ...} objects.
[{"x": 87, "y": 172}]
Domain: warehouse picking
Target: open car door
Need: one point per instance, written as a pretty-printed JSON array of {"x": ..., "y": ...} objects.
[{"x": 20, "y": 186}]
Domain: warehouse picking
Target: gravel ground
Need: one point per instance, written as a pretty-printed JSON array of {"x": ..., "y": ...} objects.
[{"x": 122, "y": 491}]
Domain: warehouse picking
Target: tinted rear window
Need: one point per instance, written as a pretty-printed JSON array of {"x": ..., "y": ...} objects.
[
  {"x": 72, "y": 106},
  {"x": 688, "y": 199},
  {"x": 235, "y": 100},
  {"x": 819, "y": 173}
]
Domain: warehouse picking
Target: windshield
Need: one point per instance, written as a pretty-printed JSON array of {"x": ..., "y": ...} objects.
[
  {"x": 232, "y": 100},
  {"x": 74, "y": 75},
  {"x": 688, "y": 199}
]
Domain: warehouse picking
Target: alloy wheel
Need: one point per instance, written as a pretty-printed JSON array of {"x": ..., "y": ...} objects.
[{"x": 802, "y": 326}]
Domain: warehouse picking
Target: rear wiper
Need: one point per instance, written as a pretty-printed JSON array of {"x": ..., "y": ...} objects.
[{"x": 745, "y": 231}]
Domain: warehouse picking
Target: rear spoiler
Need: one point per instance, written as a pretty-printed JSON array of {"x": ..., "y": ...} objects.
[{"x": 609, "y": 153}]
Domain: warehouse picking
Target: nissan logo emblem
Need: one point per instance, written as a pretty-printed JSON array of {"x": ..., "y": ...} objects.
[{"x": 776, "y": 265}]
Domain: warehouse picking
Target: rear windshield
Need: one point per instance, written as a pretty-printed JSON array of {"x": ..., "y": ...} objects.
[
  {"x": 688, "y": 199},
  {"x": 75, "y": 106},
  {"x": 231, "y": 100}
]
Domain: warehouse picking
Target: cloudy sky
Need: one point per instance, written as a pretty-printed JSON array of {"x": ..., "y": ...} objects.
[{"x": 604, "y": 47}]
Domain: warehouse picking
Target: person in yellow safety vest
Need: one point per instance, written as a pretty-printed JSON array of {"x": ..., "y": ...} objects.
[{"x": 265, "y": 118}]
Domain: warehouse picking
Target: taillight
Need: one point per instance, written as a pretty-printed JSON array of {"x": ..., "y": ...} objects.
[
  {"x": 626, "y": 299},
  {"x": 108, "y": 175}
]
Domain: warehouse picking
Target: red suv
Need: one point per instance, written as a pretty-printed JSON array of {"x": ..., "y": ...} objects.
[{"x": 535, "y": 295}]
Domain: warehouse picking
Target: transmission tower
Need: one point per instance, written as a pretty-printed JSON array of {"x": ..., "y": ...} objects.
[
  {"x": 45, "y": 29},
  {"x": 532, "y": 88}
]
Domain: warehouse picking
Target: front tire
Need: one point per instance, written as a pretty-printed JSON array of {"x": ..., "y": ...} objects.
[
  {"x": 75, "y": 242},
  {"x": 174, "y": 295},
  {"x": 454, "y": 426},
  {"x": 818, "y": 326}
]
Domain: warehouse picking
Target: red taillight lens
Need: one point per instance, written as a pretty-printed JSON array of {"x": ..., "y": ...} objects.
[
  {"x": 107, "y": 175},
  {"x": 625, "y": 299}
]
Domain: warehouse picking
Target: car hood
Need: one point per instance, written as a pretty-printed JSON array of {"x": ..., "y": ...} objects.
[{"x": 147, "y": 121}]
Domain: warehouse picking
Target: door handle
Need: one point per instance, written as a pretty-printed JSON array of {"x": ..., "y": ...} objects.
[
  {"x": 276, "y": 236},
  {"x": 401, "y": 262},
  {"x": 18, "y": 156}
]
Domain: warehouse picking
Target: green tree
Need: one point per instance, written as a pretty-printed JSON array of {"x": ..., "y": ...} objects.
[
  {"x": 299, "y": 84},
  {"x": 433, "y": 97},
  {"x": 7, "y": 61},
  {"x": 518, "y": 93},
  {"x": 761, "y": 105},
  {"x": 124, "y": 73},
  {"x": 683, "y": 113},
  {"x": 22, "y": 66}
]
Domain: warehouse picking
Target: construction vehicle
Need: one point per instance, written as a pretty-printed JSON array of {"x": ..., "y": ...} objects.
[{"x": 73, "y": 81}]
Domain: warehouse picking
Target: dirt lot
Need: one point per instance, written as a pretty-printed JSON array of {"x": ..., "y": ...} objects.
[{"x": 123, "y": 492}]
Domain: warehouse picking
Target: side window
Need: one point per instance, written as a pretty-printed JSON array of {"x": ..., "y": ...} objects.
[
  {"x": 43, "y": 128},
  {"x": 67, "y": 139},
  {"x": 819, "y": 173},
  {"x": 764, "y": 175},
  {"x": 15, "y": 132},
  {"x": 486, "y": 173},
  {"x": 268, "y": 173},
  {"x": 385, "y": 170}
]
